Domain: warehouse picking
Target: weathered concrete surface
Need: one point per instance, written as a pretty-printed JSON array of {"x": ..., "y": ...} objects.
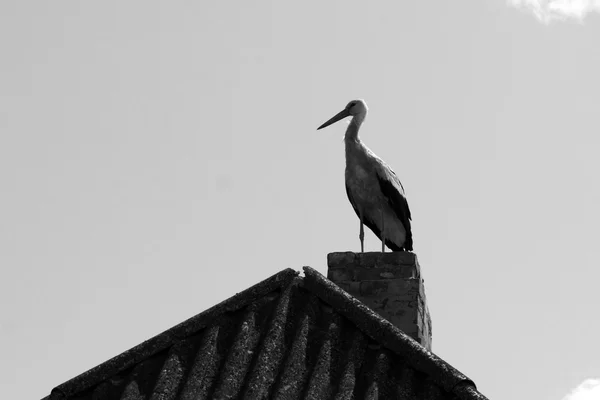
[{"x": 390, "y": 284}]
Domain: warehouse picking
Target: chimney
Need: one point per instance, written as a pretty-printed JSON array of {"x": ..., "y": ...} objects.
[{"x": 390, "y": 284}]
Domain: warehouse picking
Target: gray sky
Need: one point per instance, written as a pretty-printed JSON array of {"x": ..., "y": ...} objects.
[{"x": 156, "y": 158}]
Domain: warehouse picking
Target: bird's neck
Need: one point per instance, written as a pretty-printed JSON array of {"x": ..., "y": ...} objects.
[
  {"x": 353, "y": 127},
  {"x": 352, "y": 142}
]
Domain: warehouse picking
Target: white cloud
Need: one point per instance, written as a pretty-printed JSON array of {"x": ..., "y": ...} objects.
[
  {"x": 548, "y": 10},
  {"x": 588, "y": 390}
]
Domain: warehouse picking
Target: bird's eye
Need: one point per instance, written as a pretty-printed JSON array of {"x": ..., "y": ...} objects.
[{"x": 350, "y": 105}]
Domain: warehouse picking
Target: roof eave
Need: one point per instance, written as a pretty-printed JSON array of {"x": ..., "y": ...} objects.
[{"x": 384, "y": 332}]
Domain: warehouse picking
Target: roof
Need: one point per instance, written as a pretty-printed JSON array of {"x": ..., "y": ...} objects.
[{"x": 286, "y": 337}]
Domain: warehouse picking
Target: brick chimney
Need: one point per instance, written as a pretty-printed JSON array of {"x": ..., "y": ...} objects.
[{"x": 390, "y": 284}]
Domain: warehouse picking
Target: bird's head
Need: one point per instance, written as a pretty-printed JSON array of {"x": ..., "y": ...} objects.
[{"x": 355, "y": 108}]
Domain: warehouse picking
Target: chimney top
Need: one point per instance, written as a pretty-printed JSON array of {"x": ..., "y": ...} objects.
[{"x": 390, "y": 284}]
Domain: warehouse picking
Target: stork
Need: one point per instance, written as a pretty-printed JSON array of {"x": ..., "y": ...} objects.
[{"x": 373, "y": 188}]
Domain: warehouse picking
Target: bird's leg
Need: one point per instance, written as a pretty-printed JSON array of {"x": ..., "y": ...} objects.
[
  {"x": 361, "y": 236},
  {"x": 382, "y": 232}
]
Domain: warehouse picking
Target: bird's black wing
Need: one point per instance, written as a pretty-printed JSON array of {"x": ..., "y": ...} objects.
[{"x": 392, "y": 189}]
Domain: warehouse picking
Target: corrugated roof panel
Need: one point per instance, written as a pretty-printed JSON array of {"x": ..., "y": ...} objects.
[{"x": 285, "y": 338}]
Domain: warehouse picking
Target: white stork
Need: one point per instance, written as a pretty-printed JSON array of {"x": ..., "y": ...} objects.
[{"x": 373, "y": 189}]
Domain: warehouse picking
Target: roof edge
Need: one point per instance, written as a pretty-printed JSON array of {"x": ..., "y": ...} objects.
[
  {"x": 387, "y": 334},
  {"x": 163, "y": 340}
]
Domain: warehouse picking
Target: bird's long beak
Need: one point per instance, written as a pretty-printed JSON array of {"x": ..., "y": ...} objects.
[{"x": 342, "y": 114}]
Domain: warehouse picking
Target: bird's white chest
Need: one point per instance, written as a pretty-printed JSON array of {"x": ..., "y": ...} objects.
[
  {"x": 359, "y": 173},
  {"x": 361, "y": 176},
  {"x": 362, "y": 183}
]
